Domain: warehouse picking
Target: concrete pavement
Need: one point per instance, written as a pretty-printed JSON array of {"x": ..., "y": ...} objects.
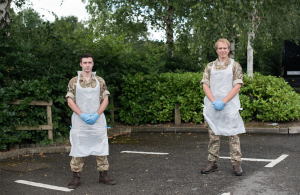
[
  {"x": 177, "y": 172},
  {"x": 161, "y": 129}
]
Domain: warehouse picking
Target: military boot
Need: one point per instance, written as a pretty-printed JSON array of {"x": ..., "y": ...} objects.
[
  {"x": 210, "y": 167},
  {"x": 75, "y": 181},
  {"x": 237, "y": 169},
  {"x": 104, "y": 178}
]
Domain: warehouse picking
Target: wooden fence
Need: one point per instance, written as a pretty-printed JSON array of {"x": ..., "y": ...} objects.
[{"x": 49, "y": 125}]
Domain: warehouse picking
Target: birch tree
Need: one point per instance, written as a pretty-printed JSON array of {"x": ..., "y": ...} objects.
[
  {"x": 166, "y": 15},
  {"x": 272, "y": 19},
  {"x": 251, "y": 35},
  {"x": 212, "y": 20},
  {"x": 268, "y": 19},
  {"x": 4, "y": 10}
]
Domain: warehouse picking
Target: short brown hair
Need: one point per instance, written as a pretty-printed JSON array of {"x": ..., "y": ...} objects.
[
  {"x": 223, "y": 41},
  {"x": 86, "y": 55}
]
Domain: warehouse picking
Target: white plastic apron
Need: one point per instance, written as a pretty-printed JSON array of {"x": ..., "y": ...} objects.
[
  {"x": 88, "y": 139},
  {"x": 227, "y": 121}
]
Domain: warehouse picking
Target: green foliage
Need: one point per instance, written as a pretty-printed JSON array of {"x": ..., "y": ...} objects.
[
  {"x": 133, "y": 18},
  {"x": 24, "y": 114},
  {"x": 269, "y": 98},
  {"x": 151, "y": 98},
  {"x": 37, "y": 62}
]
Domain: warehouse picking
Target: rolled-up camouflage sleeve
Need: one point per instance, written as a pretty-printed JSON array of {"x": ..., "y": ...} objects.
[
  {"x": 237, "y": 74},
  {"x": 71, "y": 90},
  {"x": 206, "y": 75},
  {"x": 103, "y": 92}
]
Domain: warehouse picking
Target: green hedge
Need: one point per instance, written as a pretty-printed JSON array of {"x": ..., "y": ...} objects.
[
  {"x": 151, "y": 98},
  {"x": 269, "y": 98}
]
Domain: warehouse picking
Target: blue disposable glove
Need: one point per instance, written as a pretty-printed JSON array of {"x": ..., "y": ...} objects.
[
  {"x": 93, "y": 118},
  {"x": 218, "y": 105},
  {"x": 85, "y": 117}
]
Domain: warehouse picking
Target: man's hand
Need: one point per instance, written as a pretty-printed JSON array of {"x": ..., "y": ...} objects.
[
  {"x": 218, "y": 105},
  {"x": 92, "y": 119},
  {"x": 85, "y": 118}
]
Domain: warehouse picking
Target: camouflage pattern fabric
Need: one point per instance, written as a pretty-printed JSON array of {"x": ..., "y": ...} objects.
[
  {"x": 236, "y": 70},
  {"x": 77, "y": 163},
  {"x": 71, "y": 90},
  {"x": 214, "y": 147},
  {"x": 102, "y": 163}
]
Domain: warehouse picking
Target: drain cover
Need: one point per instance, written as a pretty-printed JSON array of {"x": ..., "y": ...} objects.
[{"x": 25, "y": 167}]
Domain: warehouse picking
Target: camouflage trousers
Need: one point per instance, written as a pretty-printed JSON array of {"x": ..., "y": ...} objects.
[
  {"x": 214, "y": 147},
  {"x": 77, "y": 163}
]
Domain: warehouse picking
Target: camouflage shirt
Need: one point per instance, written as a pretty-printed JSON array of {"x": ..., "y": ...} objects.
[
  {"x": 86, "y": 84},
  {"x": 236, "y": 70}
]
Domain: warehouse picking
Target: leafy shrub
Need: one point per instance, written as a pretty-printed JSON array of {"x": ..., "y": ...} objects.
[
  {"x": 151, "y": 98},
  {"x": 269, "y": 98}
]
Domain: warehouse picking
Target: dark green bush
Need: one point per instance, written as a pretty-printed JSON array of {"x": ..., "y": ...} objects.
[
  {"x": 269, "y": 98},
  {"x": 151, "y": 98}
]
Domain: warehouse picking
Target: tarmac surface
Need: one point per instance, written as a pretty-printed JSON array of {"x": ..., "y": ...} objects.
[{"x": 177, "y": 172}]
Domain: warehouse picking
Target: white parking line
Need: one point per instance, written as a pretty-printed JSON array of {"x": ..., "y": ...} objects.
[
  {"x": 272, "y": 163},
  {"x": 276, "y": 161},
  {"x": 137, "y": 152},
  {"x": 251, "y": 159},
  {"x": 41, "y": 185}
]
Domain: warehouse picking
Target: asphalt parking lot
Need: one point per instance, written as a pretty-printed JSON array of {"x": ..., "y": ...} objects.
[{"x": 177, "y": 172}]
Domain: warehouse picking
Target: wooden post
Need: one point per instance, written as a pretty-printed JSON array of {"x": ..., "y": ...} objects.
[
  {"x": 177, "y": 115},
  {"x": 49, "y": 122}
]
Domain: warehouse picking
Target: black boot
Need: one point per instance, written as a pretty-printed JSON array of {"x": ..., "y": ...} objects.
[
  {"x": 210, "y": 167},
  {"x": 237, "y": 169},
  {"x": 104, "y": 178},
  {"x": 75, "y": 181}
]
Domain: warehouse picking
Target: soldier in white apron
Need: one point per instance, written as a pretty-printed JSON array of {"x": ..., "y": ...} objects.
[
  {"x": 87, "y": 97},
  {"x": 222, "y": 80}
]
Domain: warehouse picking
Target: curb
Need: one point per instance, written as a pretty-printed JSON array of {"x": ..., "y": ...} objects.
[
  {"x": 24, "y": 151},
  {"x": 294, "y": 130},
  {"x": 123, "y": 130}
]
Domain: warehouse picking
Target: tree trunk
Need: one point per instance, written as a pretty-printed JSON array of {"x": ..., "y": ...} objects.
[
  {"x": 251, "y": 36},
  {"x": 169, "y": 29},
  {"x": 232, "y": 47},
  {"x": 4, "y": 12}
]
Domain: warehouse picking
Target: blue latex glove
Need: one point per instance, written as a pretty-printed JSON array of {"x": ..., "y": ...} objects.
[
  {"x": 85, "y": 117},
  {"x": 218, "y": 105},
  {"x": 93, "y": 118}
]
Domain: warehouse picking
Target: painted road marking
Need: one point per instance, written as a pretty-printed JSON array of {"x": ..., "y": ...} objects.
[
  {"x": 137, "y": 152},
  {"x": 272, "y": 163},
  {"x": 276, "y": 161},
  {"x": 41, "y": 185},
  {"x": 226, "y": 193}
]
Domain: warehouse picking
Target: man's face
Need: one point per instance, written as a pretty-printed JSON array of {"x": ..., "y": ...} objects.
[
  {"x": 87, "y": 64},
  {"x": 222, "y": 50}
]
